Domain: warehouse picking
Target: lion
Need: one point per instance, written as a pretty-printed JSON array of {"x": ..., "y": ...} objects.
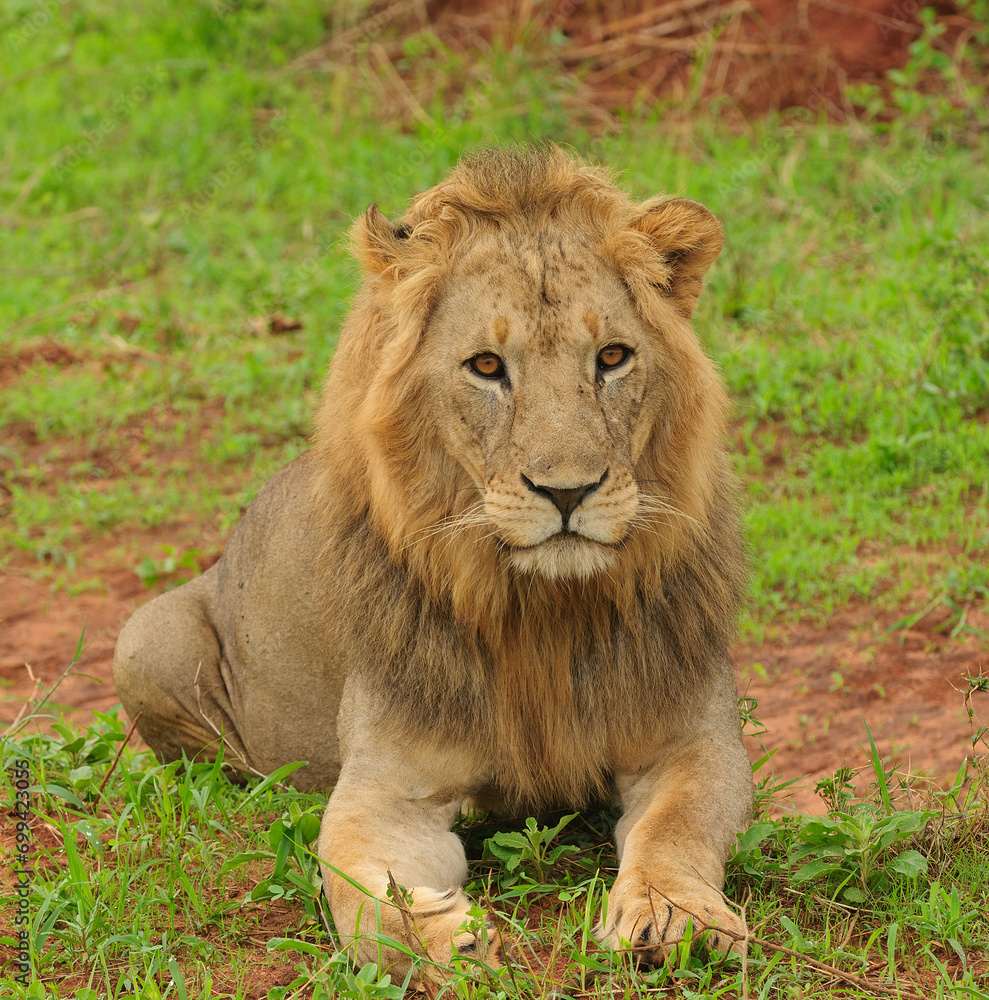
[{"x": 505, "y": 574}]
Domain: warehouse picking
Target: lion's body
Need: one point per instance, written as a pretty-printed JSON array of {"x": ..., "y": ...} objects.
[
  {"x": 515, "y": 588},
  {"x": 254, "y": 624}
]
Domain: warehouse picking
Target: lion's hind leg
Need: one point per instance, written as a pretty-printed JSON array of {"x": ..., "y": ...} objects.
[{"x": 167, "y": 669}]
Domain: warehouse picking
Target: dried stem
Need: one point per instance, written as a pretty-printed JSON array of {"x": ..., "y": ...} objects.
[{"x": 120, "y": 750}]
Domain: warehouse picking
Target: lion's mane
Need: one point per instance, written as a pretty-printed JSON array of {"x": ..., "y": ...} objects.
[{"x": 552, "y": 677}]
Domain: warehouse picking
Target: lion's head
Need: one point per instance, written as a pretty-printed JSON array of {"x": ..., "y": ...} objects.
[{"x": 518, "y": 395}]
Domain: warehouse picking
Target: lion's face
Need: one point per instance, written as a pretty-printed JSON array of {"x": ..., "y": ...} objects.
[
  {"x": 540, "y": 365},
  {"x": 519, "y": 385}
]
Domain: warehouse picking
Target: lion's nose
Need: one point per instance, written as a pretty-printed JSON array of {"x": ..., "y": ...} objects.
[{"x": 565, "y": 500}]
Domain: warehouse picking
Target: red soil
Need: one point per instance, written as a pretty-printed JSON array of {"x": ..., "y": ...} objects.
[
  {"x": 764, "y": 54},
  {"x": 760, "y": 55}
]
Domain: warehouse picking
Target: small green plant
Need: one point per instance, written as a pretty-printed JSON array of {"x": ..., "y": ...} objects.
[
  {"x": 856, "y": 852},
  {"x": 295, "y": 873},
  {"x": 942, "y": 916},
  {"x": 859, "y": 850},
  {"x": 838, "y": 790},
  {"x": 977, "y": 684},
  {"x": 978, "y": 11},
  {"x": 529, "y": 847},
  {"x": 90, "y": 756},
  {"x": 963, "y": 586},
  {"x": 923, "y": 56},
  {"x": 748, "y": 852},
  {"x": 908, "y": 95},
  {"x": 333, "y": 978},
  {"x": 173, "y": 562},
  {"x": 366, "y": 983}
]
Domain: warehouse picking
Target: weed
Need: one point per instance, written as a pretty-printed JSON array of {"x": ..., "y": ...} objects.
[
  {"x": 857, "y": 853},
  {"x": 917, "y": 104},
  {"x": 173, "y": 562},
  {"x": 334, "y": 978},
  {"x": 962, "y": 587},
  {"x": 529, "y": 847},
  {"x": 289, "y": 838},
  {"x": 156, "y": 879}
]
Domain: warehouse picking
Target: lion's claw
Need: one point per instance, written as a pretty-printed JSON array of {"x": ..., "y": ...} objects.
[
  {"x": 648, "y": 923},
  {"x": 483, "y": 944}
]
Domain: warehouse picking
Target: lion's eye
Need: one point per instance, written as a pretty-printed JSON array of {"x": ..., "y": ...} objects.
[
  {"x": 486, "y": 365},
  {"x": 613, "y": 355}
]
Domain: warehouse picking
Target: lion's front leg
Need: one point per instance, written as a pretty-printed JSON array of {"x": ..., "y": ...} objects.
[
  {"x": 681, "y": 818},
  {"x": 391, "y": 812}
]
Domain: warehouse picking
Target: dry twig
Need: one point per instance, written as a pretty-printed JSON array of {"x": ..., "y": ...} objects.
[
  {"x": 831, "y": 970},
  {"x": 239, "y": 758},
  {"x": 652, "y": 16},
  {"x": 27, "y": 702},
  {"x": 412, "y": 935},
  {"x": 120, "y": 750}
]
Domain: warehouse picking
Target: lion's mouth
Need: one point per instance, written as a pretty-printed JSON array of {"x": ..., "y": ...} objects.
[
  {"x": 560, "y": 538},
  {"x": 564, "y": 556}
]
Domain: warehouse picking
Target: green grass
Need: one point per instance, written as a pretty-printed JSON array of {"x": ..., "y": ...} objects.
[
  {"x": 151, "y": 881},
  {"x": 168, "y": 176}
]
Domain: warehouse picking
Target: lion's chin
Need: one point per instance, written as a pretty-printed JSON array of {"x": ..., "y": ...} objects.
[{"x": 565, "y": 557}]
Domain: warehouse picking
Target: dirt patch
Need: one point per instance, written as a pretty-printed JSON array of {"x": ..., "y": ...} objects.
[
  {"x": 760, "y": 55},
  {"x": 763, "y": 55},
  {"x": 41, "y": 627},
  {"x": 819, "y": 688},
  {"x": 48, "y": 352}
]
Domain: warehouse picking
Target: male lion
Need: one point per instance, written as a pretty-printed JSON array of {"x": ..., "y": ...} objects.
[{"x": 506, "y": 573}]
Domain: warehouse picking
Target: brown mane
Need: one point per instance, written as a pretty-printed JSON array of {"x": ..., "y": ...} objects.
[{"x": 550, "y": 678}]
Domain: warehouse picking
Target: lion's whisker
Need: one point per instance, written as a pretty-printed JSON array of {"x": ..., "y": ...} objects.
[
  {"x": 452, "y": 523},
  {"x": 650, "y": 500},
  {"x": 650, "y": 525},
  {"x": 485, "y": 537},
  {"x": 450, "y": 530}
]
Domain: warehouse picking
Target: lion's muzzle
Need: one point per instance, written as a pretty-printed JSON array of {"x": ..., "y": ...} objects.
[{"x": 565, "y": 499}]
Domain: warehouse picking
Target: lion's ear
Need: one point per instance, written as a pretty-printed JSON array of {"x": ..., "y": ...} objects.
[
  {"x": 377, "y": 243},
  {"x": 687, "y": 237}
]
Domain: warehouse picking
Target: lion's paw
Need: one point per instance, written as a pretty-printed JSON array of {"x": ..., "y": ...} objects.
[
  {"x": 448, "y": 930},
  {"x": 648, "y": 921}
]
